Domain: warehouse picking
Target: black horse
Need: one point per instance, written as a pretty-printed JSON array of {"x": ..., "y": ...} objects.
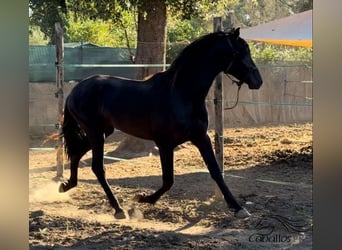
[{"x": 169, "y": 108}]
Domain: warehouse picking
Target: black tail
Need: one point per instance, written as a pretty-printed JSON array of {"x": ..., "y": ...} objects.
[{"x": 75, "y": 141}]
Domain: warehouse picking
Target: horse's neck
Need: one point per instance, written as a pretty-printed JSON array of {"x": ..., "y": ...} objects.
[{"x": 195, "y": 84}]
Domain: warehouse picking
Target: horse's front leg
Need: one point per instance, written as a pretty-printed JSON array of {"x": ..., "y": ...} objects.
[
  {"x": 206, "y": 150},
  {"x": 166, "y": 158}
]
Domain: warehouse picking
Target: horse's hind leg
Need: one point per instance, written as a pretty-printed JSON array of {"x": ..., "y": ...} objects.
[
  {"x": 206, "y": 150},
  {"x": 74, "y": 161},
  {"x": 99, "y": 171}
]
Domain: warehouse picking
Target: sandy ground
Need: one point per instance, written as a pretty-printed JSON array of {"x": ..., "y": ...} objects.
[{"x": 268, "y": 169}]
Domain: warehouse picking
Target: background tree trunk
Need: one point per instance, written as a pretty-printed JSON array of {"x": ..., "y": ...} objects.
[
  {"x": 151, "y": 46},
  {"x": 151, "y": 49}
]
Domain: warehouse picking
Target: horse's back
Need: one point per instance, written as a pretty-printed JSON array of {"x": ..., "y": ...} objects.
[
  {"x": 100, "y": 82},
  {"x": 101, "y": 87},
  {"x": 128, "y": 105}
]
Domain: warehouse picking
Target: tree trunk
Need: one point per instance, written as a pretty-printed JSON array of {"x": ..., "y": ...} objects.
[
  {"x": 151, "y": 49},
  {"x": 151, "y": 46}
]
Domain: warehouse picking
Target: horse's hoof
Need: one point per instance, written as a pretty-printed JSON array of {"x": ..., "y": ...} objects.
[
  {"x": 62, "y": 188},
  {"x": 120, "y": 215},
  {"x": 242, "y": 213},
  {"x": 143, "y": 198},
  {"x": 65, "y": 186},
  {"x": 140, "y": 198}
]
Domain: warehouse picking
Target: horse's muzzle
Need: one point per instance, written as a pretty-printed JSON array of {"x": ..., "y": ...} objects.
[{"x": 253, "y": 79}]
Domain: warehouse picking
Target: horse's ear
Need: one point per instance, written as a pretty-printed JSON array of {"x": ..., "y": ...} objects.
[{"x": 236, "y": 32}]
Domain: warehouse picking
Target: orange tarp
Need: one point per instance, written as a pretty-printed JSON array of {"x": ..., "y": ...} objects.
[{"x": 294, "y": 30}]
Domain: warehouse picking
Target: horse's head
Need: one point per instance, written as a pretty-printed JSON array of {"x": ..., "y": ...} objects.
[{"x": 242, "y": 65}]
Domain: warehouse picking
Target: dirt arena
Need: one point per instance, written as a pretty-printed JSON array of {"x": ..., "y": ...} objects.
[{"x": 268, "y": 169}]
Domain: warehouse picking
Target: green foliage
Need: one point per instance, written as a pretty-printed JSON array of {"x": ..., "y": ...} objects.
[
  {"x": 253, "y": 12},
  {"x": 120, "y": 13},
  {"x": 182, "y": 29},
  {"x": 113, "y": 23},
  {"x": 36, "y": 37},
  {"x": 203, "y": 9},
  {"x": 103, "y": 33},
  {"x": 45, "y": 14},
  {"x": 181, "y": 32},
  {"x": 89, "y": 31},
  {"x": 268, "y": 53}
]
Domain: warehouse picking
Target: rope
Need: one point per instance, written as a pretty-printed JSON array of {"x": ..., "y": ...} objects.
[
  {"x": 239, "y": 84},
  {"x": 237, "y": 99}
]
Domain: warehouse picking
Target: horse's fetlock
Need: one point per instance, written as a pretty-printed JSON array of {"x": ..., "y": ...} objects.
[{"x": 168, "y": 185}]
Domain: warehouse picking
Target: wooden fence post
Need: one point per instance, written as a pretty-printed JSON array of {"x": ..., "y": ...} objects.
[
  {"x": 60, "y": 96},
  {"x": 218, "y": 101},
  {"x": 218, "y": 115}
]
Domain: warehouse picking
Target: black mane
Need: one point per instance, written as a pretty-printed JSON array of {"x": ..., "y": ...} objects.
[{"x": 195, "y": 49}]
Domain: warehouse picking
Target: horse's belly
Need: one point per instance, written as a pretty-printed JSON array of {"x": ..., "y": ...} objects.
[{"x": 134, "y": 127}]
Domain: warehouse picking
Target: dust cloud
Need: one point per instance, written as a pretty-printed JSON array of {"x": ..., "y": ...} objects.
[{"x": 47, "y": 193}]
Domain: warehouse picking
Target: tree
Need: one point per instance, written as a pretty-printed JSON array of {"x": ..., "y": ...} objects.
[
  {"x": 253, "y": 12},
  {"x": 103, "y": 33},
  {"x": 45, "y": 14},
  {"x": 298, "y": 6},
  {"x": 151, "y": 44},
  {"x": 151, "y": 20},
  {"x": 151, "y": 24},
  {"x": 36, "y": 36}
]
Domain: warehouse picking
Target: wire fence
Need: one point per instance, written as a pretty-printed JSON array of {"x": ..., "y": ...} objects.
[{"x": 285, "y": 97}]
